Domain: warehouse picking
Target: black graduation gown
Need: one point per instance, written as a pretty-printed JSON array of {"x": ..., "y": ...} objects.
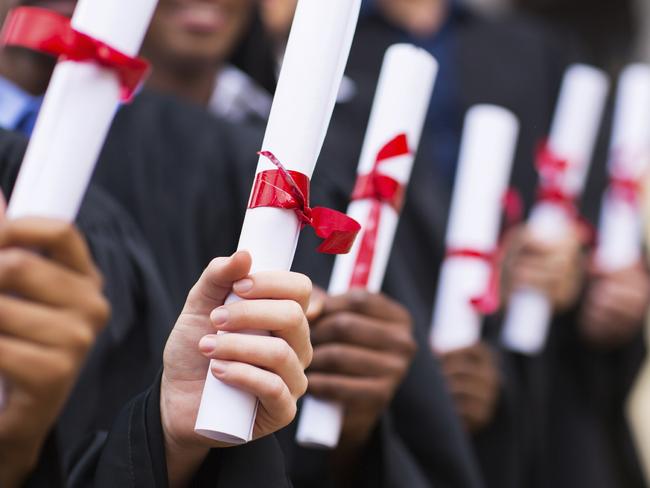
[
  {"x": 165, "y": 157},
  {"x": 101, "y": 439}
]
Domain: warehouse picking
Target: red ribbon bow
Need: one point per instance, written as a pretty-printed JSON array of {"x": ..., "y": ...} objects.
[
  {"x": 289, "y": 190},
  {"x": 48, "y": 32},
  {"x": 381, "y": 189},
  {"x": 552, "y": 170},
  {"x": 488, "y": 302}
]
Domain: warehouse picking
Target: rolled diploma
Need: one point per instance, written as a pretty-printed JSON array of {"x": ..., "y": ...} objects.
[
  {"x": 317, "y": 52},
  {"x": 573, "y": 136},
  {"x": 77, "y": 113},
  {"x": 486, "y": 157},
  {"x": 400, "y": 107},
  {"x": 619, "y": 232}
]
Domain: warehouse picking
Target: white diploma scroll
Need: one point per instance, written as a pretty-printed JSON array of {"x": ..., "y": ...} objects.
[
  {"x": 619, "y": 232},
  {"x": 400, "y": 107},
  {"x": 77, "y": 112},
  {"x": 573, "y": 138},
  {"x": 485, "y": 164},
  {"x": 316, "y": 56}
]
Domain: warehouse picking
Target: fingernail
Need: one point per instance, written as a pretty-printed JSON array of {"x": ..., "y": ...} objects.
[
  {"x": 219, "y": 316},
  {"x": 208, "y": 344},
  {"x": 217, "y": 367},
  {"x": 243, "y": 286}
]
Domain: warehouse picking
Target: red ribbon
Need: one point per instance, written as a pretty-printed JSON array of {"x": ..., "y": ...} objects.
[
  {"x": 380, "y": 189},
  {"x": 45, "y": 31},
  {"x": 289, "y": 190},
  {"x": 627, "y": 189},
  {"x": 552, "y": 170},
  {"x": 488, "y": 302}
]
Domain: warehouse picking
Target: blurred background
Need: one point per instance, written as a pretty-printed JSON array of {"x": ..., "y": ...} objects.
[{"x": 611, "y": 31}]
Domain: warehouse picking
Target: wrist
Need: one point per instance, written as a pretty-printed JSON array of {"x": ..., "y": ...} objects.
[{"x": 183, "y": 459}]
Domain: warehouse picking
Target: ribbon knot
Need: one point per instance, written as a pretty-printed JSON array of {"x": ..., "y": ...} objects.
[
  {"x": 47, "y": 32},
  {"x": 488, "y": 302},
  {"x": 552, "y": 171},
  {"x": 289, "y": 190},
  {"x": 380, "y": 189}
]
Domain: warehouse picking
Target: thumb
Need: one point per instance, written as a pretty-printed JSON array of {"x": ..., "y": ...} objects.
[{"x": 215, "y": 284}]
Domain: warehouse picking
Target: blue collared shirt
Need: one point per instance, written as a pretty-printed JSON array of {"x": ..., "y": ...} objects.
[{"x": 18, "y": 109}]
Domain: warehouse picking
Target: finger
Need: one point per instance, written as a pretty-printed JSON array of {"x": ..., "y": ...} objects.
[
  {"x": 36, "y": 324},
  {"x": 472, "y": 390},
  {"x": 348, "y": 360},
  {"x": 370, "y": 333},
  {"x": 57, "y": 239},
  {"x": 27, "y": 365},
  {"x": 366, "y": 303},
  {"x": 276, "y": 285},
  {"x": 348, "y": 390},
  {"x": 274, "y": 395},
  {"x": 316, "y": 304},
  {"x": 216, "y": 283},
  {"x": 35, "y": 278},
  {"x": 270, "y": 353},
  {"x": 471, "y": 364},
  {"x": 531, "y": 278},
  {"x": 283, "y": 318}
]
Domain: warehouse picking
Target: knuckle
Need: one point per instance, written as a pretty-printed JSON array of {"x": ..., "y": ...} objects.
[
  {"x": 302, "y": 387},
  {"x": 306, "y": 286},
  {"x": 295, "y": 314},
  {"x": 100, "y": 312},
  {"x": 283, "y": 354},
  {"x": 309, "y": 355},
  {"x": 342, "y": 324},
  {"x": 97, "y": 278},
  {"x": 357, "y": 297},
  {"x": 82, "y": 339},
  {"x": 14, "y": 261},
  {"x": 276, "y": 389},
  {"x": 290, "y": 413}
]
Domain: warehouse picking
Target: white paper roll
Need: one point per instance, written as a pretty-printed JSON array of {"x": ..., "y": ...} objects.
[
  {"x": 486, "y": 157},
  {"x": 573, "y": 137},
  {"x": 400, "y": 107},
  {"x": 317, "y": 52},
  {"x": 619, "y": 234},
  {"x": 77, "y": 112}
]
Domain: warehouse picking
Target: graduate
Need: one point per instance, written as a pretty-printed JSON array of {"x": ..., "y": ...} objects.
[
  {"x": 158, "y": 130},
  {"x": 152, "y": 443},
  {"x": 337, "y": 367},
  {"x": 214, "y": 54}
]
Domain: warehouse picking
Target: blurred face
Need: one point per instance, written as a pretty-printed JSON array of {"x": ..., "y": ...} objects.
[
  {"x": 277, "y": 16},
  {"x": 64, "y": 7},
  {"x": 196, "y": 31},
  {"x": 419, "y": 17}
]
